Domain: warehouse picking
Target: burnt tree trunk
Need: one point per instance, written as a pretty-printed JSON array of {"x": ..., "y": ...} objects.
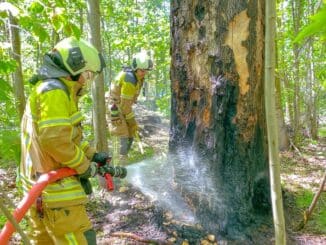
[{"x": 218, "y": 130}]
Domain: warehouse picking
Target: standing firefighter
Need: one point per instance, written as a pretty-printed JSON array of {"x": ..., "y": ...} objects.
[
  {"x": 123, "y": 94},
  {"x": 52, "y": 139}
]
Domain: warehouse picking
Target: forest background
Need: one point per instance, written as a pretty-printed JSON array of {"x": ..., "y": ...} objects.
[{"x": 30, "y": 28}]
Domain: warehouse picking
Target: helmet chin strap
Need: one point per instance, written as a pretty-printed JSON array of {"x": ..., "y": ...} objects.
[
  {"x": 75, "y": 78},
  {"x": 86, "y": 78}
]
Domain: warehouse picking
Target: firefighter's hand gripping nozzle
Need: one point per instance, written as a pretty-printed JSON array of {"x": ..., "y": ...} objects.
[{"x": 108, "y": 172}]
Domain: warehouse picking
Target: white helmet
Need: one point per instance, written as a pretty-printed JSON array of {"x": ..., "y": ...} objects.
[
  {"x": 78, "y": 56},
  {"x": 141, "y": 61}
]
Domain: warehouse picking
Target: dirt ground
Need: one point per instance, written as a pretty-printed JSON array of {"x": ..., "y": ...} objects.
[
  {"x": 133, "y": 218},
  {"x": 128, "y": 216}
]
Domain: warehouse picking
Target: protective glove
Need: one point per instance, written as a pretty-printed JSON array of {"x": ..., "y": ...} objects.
[
  {"x": 101, "y": 157},
  {"x": 87, "y": 186},
  {"x": 90, "y": 172},
  {"x": 114, "y": 111},
  {"x": 84, "y": 178}
]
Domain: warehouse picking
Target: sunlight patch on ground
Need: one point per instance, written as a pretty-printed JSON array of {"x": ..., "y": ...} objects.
[{"x": 300, "y": 182}]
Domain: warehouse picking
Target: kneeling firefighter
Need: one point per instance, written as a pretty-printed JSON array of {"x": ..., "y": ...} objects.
[
  {"x": 51, "y": 138},
  {"x": 124, "y": 92}
]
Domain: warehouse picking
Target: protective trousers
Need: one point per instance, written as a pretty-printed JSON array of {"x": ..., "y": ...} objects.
[
  {"x": 125, "y": 145},
  {"x": 61, "y": 226}
]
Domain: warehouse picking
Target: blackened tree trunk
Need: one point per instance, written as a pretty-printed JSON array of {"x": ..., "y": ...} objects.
[{"x": 218, "y": 130}]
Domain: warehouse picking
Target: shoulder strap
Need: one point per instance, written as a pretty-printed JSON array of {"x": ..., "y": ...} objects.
[
  {"x": 130, "y": 77},
  {"x": 52, "y": 84}
]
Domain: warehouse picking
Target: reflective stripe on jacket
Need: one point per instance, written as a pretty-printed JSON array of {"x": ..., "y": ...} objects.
[
  {"x": 125, "y": 91},
  {"x": 52, "y": 139}
]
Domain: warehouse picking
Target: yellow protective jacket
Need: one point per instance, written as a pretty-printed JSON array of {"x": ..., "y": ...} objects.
[
  {"x": 52, "y": 139},
  {"x": 124, "y": 93}
]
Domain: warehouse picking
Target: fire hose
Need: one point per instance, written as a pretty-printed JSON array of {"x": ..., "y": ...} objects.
[{"x": 45, "y": 179}]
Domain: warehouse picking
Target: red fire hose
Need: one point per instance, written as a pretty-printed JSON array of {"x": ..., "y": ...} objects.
[
  {"x": 39, "y": 186},
  {"x": 30, "y": 198}
]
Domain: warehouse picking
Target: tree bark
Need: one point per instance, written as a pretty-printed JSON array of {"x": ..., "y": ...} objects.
[
  {"x": 296, "y": 15},
  {"x": 18, "y": 81},
  {"x": 311, "y": 87},
  {"x": 284, "y": 141},
  {"x": 99, "y": 109},
  {"x": 272, "y": 125},
  {"x": 311, "y": 119},
  {"x": 218, "y": 128}
]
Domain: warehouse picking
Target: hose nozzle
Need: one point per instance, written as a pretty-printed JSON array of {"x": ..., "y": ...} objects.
[{"x": 119, "y": 172}]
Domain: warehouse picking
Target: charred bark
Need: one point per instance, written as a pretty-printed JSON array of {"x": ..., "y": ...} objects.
[{"x": 218, "y": 130}]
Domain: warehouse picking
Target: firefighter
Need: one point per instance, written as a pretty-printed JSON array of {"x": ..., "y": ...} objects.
[
  {"x": 124, "y": 92},
  {"x": 52, "y": 138}
]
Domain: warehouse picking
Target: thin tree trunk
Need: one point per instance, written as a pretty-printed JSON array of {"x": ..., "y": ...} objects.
[
  {"x": 312, "y": 96},
  {"x": 272, "y": 126},
  {"x": 284, "y": 76},
  {"x": 283, "y": 136},
  {"x": 309, "y": 211},
  {"x": 296, "y": 15},
  {"x": 10, "y": 218},
  {"x": 18, "y": 81},
  {"x": 99, "y": 109}
]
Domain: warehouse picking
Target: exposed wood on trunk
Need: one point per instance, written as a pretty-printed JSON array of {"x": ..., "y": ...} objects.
[
  {"x": 238, "y": 33},
  {"x": 218, "y": 123}
]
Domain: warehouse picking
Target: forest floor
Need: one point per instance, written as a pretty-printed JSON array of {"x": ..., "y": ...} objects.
[{"x": 132, "y": 215}]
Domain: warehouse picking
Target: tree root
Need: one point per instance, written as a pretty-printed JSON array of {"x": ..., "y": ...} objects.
[{"x": 138, "y": 238}]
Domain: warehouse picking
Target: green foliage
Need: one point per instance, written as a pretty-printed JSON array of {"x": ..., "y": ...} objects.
[
  {"x": 10, "y": 147},
  {"x": 136, "y": 156},
  {"x": 6, "y": 65},
  {"x": 301, "y": 67},
  {"x": 39, "y": 32},
  {"x": 322, "y": 132},
  {"x": 5, "y": 90},
  {"x": 23, "y": 224},
  {"x": 127, "y": 26},
  {"x": 3, "y": 220},
  {"x": 6, "y": 8},
  {"x": 321, "y": 221},
  {"x": 132, "y": 26},
  {"x": 163, "y": 105},
  {"x": 9, "y": 130},
  {"x": 303, "y": 201},
  {"x": 35, "y": 7},
  {"x": 317, "y": 26}
]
